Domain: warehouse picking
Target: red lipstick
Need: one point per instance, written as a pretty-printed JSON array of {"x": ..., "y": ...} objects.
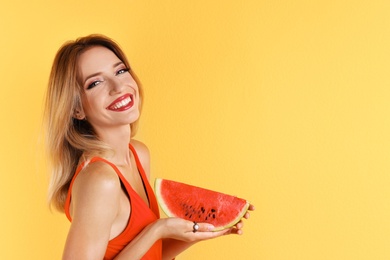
[{"x": 122, "y": 103}]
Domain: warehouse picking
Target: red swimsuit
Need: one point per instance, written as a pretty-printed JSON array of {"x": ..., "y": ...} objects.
[{"x": 141, "y": 214}]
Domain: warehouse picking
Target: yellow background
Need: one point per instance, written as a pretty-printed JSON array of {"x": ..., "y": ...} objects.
[{"x": 284, "y": 103}]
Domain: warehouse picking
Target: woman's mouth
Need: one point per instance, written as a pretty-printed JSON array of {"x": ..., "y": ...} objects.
[{"x": 122, "y": 103}]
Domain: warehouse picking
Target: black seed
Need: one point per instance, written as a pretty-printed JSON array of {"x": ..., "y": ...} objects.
[
  {"x": 206, "y": 218},
  {"x": 190, "y": 216},
  {"x": 213, "y": 210},
  {"x": 213, "y": 215}
]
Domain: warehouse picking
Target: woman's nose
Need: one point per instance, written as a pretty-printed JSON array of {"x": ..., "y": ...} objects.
[{"x": 115, "y": 85}]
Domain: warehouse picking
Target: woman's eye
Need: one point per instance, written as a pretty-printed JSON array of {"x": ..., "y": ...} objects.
[
  {"x": 93, "y": 84},
  {"x": 121, "y": 71}
]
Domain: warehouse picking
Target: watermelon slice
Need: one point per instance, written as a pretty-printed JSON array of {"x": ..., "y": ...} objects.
[{"x": 199, "y": 205}]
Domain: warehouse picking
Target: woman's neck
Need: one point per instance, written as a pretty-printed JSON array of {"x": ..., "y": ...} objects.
[{"x": 118, "y": 139}]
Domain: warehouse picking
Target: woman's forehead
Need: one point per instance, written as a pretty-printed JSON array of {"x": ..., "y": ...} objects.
[{"x": 96, "y": 59}]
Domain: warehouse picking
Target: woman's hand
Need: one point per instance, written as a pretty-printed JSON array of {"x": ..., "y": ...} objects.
[
  {"x": 181, "y": 229},
  {"x": 178, "y": 234}
]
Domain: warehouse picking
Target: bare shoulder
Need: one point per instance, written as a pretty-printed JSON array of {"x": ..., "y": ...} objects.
[
  {"x": 141, "y": 148},
  {"x": 96, "y": 185},
  {"x": 143, "y": 154},
  {"x": 94, "y": 207},
  {"x": 97, "y": 174}
]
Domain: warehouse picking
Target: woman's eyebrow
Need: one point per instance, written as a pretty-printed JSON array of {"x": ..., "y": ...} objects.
[{"x": 98, "y": 73}]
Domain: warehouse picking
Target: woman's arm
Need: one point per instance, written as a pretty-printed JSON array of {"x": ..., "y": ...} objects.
[
  {"x": 173, "y": 247},
  {"x": 175, "y": 242},
  {"x": 96, "y": 196},
  {"x": 94, "y": 206},
  {"x": 177, "y": 235}
]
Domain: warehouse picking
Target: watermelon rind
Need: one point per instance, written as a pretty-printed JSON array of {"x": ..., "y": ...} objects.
[
  {"x": 169, "y": 213},
  {"x": 157, "y": 188}
]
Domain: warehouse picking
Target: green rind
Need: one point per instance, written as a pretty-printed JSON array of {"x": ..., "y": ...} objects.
[
  {"x": 157, "y": 185},
  {"x": 157, "y": 190}
]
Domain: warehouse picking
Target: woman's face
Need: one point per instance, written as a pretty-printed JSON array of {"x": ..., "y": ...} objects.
[{"x": 111, "y": 94}]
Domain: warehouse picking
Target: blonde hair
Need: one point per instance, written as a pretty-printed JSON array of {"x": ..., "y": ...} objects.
[{"x": 67, "y": 138}]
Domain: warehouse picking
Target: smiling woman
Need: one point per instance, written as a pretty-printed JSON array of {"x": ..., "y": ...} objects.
[
  {"x": 108, "y": 88},
  {"x": 99, "y": 172}
]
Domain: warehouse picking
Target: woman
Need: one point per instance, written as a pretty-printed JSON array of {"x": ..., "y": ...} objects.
[{"x": 99, "y": 172}]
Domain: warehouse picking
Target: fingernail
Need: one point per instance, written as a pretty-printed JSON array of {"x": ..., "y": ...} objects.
[{"x": 210, "y": 227}]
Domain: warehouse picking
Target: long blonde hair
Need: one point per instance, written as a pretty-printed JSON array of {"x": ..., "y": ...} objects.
[{"x": 67, "y": 138}]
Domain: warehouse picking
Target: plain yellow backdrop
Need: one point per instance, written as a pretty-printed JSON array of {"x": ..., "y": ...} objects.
[{"x": 284, "y": 103}]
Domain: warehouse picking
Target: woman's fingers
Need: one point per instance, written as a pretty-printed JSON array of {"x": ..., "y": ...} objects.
[
  {"x": 247, "y": 214},
  {"x": 240, "y": 225},
  {"x": 200, "y": 227},
  {"x": 205, "y": 231}
]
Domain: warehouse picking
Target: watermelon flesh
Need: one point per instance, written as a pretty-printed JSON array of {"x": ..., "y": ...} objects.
[{"x": 199, "y": 205}]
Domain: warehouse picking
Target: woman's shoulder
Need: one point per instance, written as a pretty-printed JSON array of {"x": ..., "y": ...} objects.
[
  {"x": 97, "y": 177},
  {"x": 140, "y": 147},
  {"x": 95, "y": 189},
  {"x": 143, "y": 154}
]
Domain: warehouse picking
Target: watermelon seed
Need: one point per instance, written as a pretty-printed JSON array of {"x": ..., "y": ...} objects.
[
  {"x": 213, "y": 215},
  {"x": 212, "y": 210}
]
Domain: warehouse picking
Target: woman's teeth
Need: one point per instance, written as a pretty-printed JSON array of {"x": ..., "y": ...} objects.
[{"x": 122, "y": 103}]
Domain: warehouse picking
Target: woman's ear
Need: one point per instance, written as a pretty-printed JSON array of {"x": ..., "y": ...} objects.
[{"x": 79, "y": 115}]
